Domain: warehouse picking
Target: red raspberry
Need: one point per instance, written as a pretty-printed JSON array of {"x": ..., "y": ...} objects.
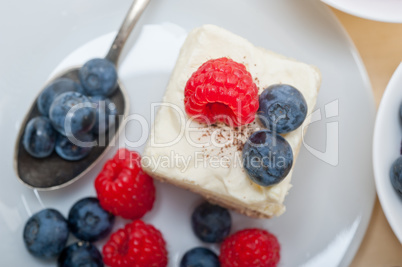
[
  {"x": 221, "y": 90},
  {"x": 123, "y": 188},
  {"x": 251, "y": 248},
  {"x": 136, "y": 245},
  {"x": 127, "y": 158}
]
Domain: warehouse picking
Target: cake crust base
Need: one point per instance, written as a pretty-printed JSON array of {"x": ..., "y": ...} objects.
[{"x": 211, "y": 198}]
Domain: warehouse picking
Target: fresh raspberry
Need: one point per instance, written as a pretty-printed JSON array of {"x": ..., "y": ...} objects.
[
  {"x": 221, "y": 90},
  {"x": 136, "y": 245},
  {"x": 251, "y": 248},
  {"x": 123, "y": 188},
  {"x": 127, "y": 158}
]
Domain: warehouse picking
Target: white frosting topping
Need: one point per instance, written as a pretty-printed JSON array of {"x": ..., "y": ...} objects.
[{"x": 206, "y": 157}]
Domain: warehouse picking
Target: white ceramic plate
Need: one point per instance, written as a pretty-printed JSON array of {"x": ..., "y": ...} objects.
[
  {"x": 380, "y": 10},
  {"x": 386, "y": 149},
  {"x": 328, "y": 208}
]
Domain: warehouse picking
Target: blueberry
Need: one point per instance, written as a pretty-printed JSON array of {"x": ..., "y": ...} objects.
[
  {"x": 200, "y": 257},
  {"x": 39, "y": 137},
  {"x": 211, "y": 223},
  {"x": 267, "y": 158},
  {"x": 88, "y": 221},
  {"x": 106, "y": 113},
  {"x": 396, "y": 175},
  {"x": 78, "y": 111},
  {"x": 54, "y": 89},
  {"x": 400, "y": 112},
  {"x": 80, "y": 254},
  {"x": 98, "y": 77},
  {"x": 46, "y": 233},
  {"x": 74, "y": 149},
  {"x": 282, "y": 108},
  {"x": 400, "y": 151}
]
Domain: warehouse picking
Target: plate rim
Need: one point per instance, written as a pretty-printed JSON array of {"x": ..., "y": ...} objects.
[{"x": 361, "y": 231}]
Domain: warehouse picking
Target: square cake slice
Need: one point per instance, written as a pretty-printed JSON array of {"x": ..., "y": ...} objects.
[{"x": 206, "y": 159}]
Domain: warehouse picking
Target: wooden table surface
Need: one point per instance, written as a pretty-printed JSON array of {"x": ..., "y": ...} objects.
[{"x": 380, "y": 47}]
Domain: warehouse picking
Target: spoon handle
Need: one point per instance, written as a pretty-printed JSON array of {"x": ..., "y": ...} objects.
[{"x": 127, "y": 26}]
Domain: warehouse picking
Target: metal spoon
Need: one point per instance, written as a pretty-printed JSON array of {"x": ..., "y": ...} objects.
[{"x": 54, "y": 172}]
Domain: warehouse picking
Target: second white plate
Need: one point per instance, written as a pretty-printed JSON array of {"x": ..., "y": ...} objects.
[
  {"x": 387, "y": 148},
  {"x": 380, "y": 10}
]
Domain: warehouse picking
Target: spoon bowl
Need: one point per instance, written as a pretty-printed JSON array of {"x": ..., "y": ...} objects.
[{"x": 53, "y": 172}]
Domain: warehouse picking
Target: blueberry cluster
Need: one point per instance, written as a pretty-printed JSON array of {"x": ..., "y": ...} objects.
[
  {"x": 211, "y": 224},
  {"x": 72, "y": 112},
  {"x": 46, "y": 233},
  {"x": 396, "y": 168},
  {"x": 267, "y": 156}
]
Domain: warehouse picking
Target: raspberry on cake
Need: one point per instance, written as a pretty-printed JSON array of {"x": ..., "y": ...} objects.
[
  {"x": 214, "y": 151},
  {"x": 221, "y": 90}
]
